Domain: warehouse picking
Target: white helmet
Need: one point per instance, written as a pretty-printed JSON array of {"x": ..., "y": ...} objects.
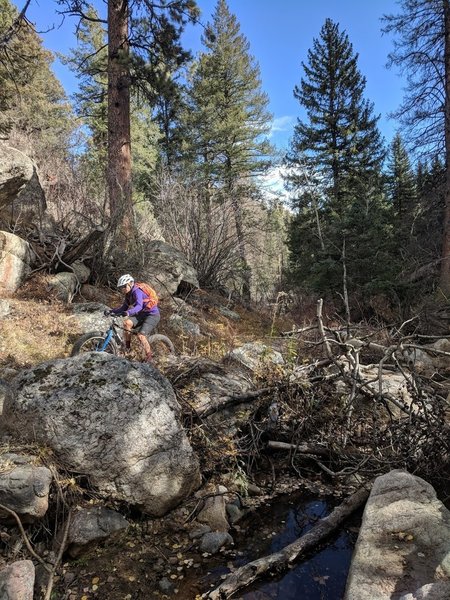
[{"x": 124, "y": 280}]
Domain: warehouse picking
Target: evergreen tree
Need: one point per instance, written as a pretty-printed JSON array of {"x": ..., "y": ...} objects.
[
  {"x": 340, "y": 138},
  {"x": 427, "y": 228},
  {"x": 422, "y": 51},
  {"x": 145, "y": 150},
  {"x": 88, "y": 60},
  {"x": 335, "y": 163},
  {"x": 33, "y": 105},
  {"x": 227, "y": 120},
  {"x": 402, "y": 192}
]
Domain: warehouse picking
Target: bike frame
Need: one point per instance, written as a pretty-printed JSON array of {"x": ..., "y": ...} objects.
[
  {"x": 115, "y": 333},
  {"x": 110, "y": 334}
]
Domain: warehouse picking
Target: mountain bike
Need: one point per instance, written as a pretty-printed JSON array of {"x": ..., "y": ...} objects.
[{"x": 112, "y": 341}]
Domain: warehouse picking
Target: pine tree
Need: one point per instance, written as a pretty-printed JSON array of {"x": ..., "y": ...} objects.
[
  {"x": 89, "y": 61},
  {"x": 402, "y": 192},
  {"x": 427, "y": 228},
  {"x": 228, "y": 120},
  {"x": 33, "y": 105},
  {"x": 335, "y": 171}
]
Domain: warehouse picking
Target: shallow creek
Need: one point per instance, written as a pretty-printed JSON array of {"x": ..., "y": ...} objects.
[{"x": 320, "y": 576}]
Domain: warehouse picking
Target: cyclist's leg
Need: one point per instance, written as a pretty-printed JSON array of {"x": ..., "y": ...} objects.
[
  {"x": 148, "y": 324},
  {"x": 128, "y": 325}
]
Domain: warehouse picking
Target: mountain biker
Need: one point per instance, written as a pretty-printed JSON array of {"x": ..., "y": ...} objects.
[{"x": 141, "y": 307}]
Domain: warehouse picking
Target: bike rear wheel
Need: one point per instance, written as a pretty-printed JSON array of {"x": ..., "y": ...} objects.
[
  {"x": 161, "y": 345},
  {"x": 94, "y": 342}
]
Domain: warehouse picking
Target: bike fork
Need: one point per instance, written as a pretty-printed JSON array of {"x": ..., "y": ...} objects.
[{"x": 105, "y": 342}]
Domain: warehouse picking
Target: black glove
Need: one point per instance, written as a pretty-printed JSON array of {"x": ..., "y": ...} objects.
[
  {"x": 123, "y": 313},
  {"x": 107, "y": 312}
]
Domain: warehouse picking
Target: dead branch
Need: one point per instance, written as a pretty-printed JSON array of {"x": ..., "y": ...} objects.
[
  {"x": 297, "y": 331},
  {"x": 325, "y": 340},
  {"x": 25, "y": 537},
  {"x": 302, "y": 448},
  {"x": 273, "y": 563},
  {"x": 15, "y": 26},
  {"x": 228, "y": 401},
  {"x": 48, "y": 593}
]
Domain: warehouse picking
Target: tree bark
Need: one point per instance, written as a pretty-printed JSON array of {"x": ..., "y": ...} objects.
[
  {"x": 119, "y": 137},
  {"x": 282, "y": 559},
  {"x": 246, "y": 270},
  {"x": 445, "y": 265}
]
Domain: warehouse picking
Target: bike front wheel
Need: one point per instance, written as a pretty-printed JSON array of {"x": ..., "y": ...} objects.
[{"x": 94, "y": 341}]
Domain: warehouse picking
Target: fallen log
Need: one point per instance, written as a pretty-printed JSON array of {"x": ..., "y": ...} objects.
[
  {"x": 228, "y": 401},
  {"x": 278, "y": 561},
  {"x": 77, "y": 251},
  {"x": 302, "y": 448}
]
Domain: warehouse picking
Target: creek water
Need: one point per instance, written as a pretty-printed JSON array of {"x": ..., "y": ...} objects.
[{"x": 321, "y": 575}]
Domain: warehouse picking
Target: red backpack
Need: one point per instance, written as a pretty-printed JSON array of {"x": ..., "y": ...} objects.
[{"x": 151, "y": 299}]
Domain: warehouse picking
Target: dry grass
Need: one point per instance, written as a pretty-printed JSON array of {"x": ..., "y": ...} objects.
[
  {"x": 35, "y": 332},
  {"x": 39, "y": 328}
]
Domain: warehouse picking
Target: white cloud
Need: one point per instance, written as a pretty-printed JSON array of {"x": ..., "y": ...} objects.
[
  {"x": 281, "y": 124},
  {"x": 272, "y": 184}
]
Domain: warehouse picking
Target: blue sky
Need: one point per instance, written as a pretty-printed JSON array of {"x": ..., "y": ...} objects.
[{"x": 280, "y": 34}]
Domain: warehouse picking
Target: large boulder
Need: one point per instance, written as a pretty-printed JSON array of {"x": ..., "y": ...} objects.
[
  {"x": 167, "y": 269},
  {"x": 427, "y": 362},
  {"x": 64, "y": 285},
  {"x": 22, "y": 198},
  {"x": 254, "y": 356},
  {"x": 111, "y": 419},
  {"x": 16, "y": 170},
  {"x": 404, "y": 542},
  {"x": 205, "y": 384},
  {"x": 15, "y": 261}
]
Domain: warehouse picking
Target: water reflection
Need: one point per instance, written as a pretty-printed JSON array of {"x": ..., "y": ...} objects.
[{"x": 321, "y": 576}]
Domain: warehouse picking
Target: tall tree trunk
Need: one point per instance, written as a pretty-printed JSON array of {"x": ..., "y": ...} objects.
[
  {"x": 119, "y": 138},
  {"x": 246, "y": 270},
  {"x": 234, "y": 193},
  {"x": 445, "y": 265}
]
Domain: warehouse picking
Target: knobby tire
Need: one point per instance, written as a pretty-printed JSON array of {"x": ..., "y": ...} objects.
[
  {"x": 86, "y": 343},
  {"x": 157, "y": 339}
]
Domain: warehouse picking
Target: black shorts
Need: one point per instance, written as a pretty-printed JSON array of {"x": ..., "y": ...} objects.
[{"x": 145, "y": 323}]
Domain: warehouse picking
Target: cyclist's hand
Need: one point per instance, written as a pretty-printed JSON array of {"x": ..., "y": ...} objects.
[
  {"x": 123, "y": 313},
  {"x": 107, "y": 312}
]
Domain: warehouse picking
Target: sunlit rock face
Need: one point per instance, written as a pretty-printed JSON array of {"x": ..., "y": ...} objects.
[
  {"x": 403, "y": 548},
  {"x": 114, "y": 420},
  {"x": 15, "y": 260}
]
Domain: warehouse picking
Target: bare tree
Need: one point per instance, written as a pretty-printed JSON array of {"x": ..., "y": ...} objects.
[{"x": 202, "y": 229}]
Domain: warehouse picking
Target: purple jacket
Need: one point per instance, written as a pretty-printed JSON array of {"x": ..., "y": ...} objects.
[{"x": 134, "y": 304}]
